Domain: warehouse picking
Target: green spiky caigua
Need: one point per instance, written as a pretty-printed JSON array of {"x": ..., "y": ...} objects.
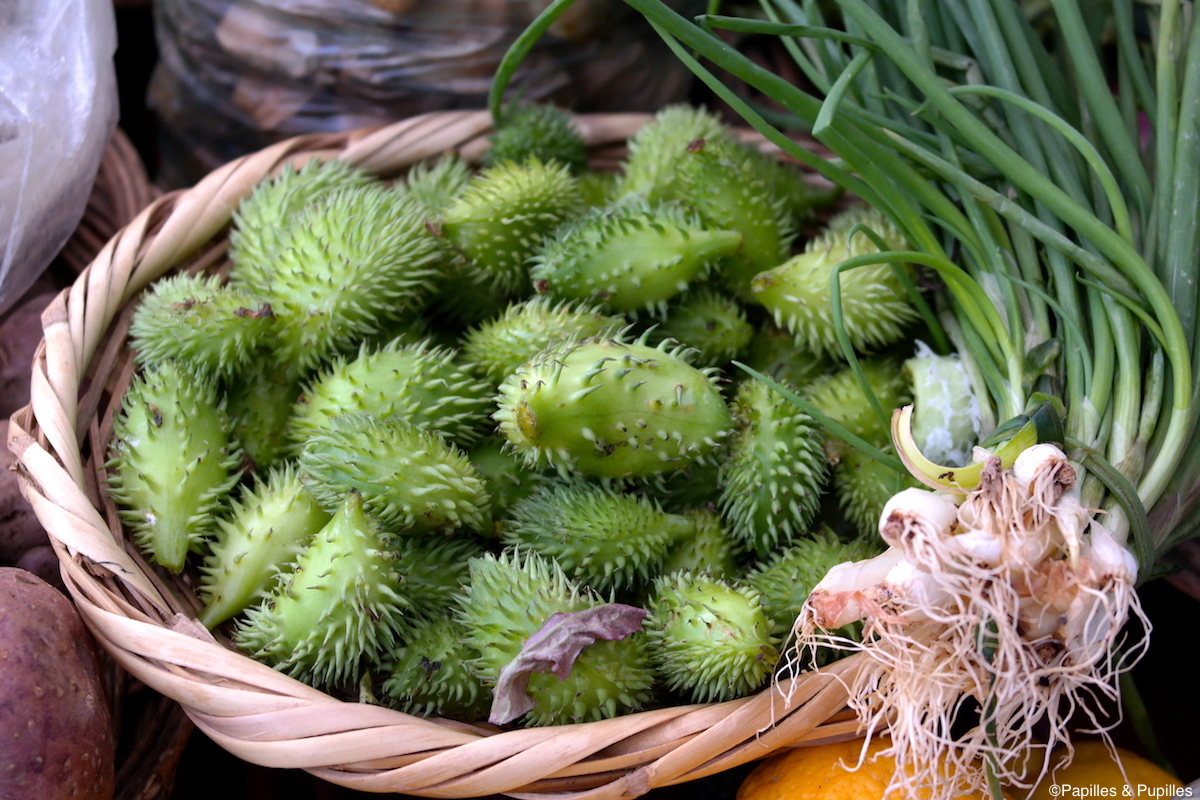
[
  {"x": 172, "y": 461},
  {"x": 413, "y": 480},
  {"x": 537, "y": 131},
  {"x": 337, "y": 611},
  {"x": 427, "y": 673},
  {"x": 348, "y": 265},
  {"x": 710, "y": 549},
  {"x": 774, "y": 473},
  {"x": 197, "y": 321},
  {"x": 264, "y": 532},
  {"x": 714, "y": 324},
  {"x": 786, "y": 578},
  {"x": 509, "y": 598},
  {"x": 630, "y": 256},
  {"x": 435, "y": 183},
  {"x": 772, "y": 351},
  {"x": 434, "y": 569},
  {"x": 839, "y": 396},
  {"x": 507, "y": 479},
  {"x": 863, "y": 485},
  {"x": 607, "y": 540},
  {"x": 498, "y": 347},
  {"x": 612, "y": 409},
  {"x": 709, "y": 639},
  {"x": 876, "y": 309},
  {"x": 259, "y": 399},
  {"x": 262, "y": 216},
  {"x": 502, "y": 215},
  {"x": 658, "y": 147},
  {"x": 418, "y": 382}
]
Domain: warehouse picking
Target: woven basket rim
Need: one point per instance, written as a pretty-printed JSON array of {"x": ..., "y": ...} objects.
[{"x": 146, "y": 622}]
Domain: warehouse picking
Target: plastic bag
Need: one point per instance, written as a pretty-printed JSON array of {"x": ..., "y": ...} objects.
[
  {"x": 233, "y": 76},
  {"x": 58, "y": 108}
]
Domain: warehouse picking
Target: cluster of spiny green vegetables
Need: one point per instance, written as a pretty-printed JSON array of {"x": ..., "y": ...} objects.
[{"x": 433, "y": 435}]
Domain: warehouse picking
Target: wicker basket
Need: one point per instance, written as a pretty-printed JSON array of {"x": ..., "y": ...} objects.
[{"x": 146, "y": 619}]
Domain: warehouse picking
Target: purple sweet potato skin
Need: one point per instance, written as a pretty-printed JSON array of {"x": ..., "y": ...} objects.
[{"x": 56, "y": 739}]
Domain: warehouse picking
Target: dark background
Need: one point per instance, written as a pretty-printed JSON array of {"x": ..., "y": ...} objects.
[{"x": 1166, "y": 678}]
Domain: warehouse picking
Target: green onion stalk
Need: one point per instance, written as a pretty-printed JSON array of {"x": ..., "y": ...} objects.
[{"x": 1044, "y": 168}]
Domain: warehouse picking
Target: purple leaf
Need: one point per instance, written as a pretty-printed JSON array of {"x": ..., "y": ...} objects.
[{"x": 554, "y": 648}]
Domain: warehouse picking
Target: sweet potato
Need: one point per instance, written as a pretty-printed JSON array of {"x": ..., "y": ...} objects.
[{"x": 55, "y": 721}]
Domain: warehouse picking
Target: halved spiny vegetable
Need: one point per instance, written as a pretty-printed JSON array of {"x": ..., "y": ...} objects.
[
  {"x": 417, "y": 382},
  {"x": 612, "y": 409},
  {"x": 774, "y": 473},
  {"x": 200, "y": 322},
  {"x": 413, "y": 480},
  {"x": 270, "y": 209},
  {"x": 510, "y": 597},
  {"x": 629, "y": 256},
  {"x": 604, "y": 539},
  {"x": 876, "y": 308},
  {"x": 709, "y": 638},
  {"x": 498, "y": 347},
  {"x": 350, "y": 264},
  {"x": 337, "y": 610},
  {"x": 502, "y": 215},
  {"x": 172, "y": 461},
  {"x": 265, "y": 531}
]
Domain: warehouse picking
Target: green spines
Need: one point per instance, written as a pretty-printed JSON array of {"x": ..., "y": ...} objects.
[
  {"x": 840, "y": 396},
  {"x": 710, "y": 549},
  {"x": 607, "y": 540},
  {"x": 657, "y": 149},
  {"x": 259, "y": 400},
  {"x": 786, "y": 578},
  {"x": 347, "y": 266},
  {"x": 709, "y": 638},
  {"x": 498, "y": 347},
  {"x": 862, "y": 486},
  {"x": 775, "y": 470},
  {"x": 427, "y": 674},
  {"x": 502, "y": 215},
  {"x": 199, "y": 322},
  {"x": 337, "y": 611},
  {"x": 264, "y": 532},
  {"x": 417, "y": 382},
  {"x": 537, "y": 131},
  {"x": 713, "y": 324},
  {"x": 612, "y": 409},
  {"x": 172, "y": 462},
  {"x": 773, "y": 352},
  {"x": 433, "y": 569},
  {"x": 510, "y": 598},
  {"x": 631, "y": 256},
  {"x": 270, "y": 209},
  {"x": 434, "y": 184},
  {"x": 411, "y": 479},
  {"x": 505, "y": 476},
  {"x": 876, "y": 309}
]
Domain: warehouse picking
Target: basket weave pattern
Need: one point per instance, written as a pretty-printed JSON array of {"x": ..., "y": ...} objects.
[{"x": 145, "y": 619}]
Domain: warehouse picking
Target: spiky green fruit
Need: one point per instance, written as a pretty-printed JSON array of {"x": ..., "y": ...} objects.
[
  {"x": 510, "y": 597},
  {"x": 259, "y": 400},
  {"x": 695, "y": 486},
  {"x": 500, "y": 346},
  {"x": 172, "y": 462},
  {"x": 420, "y": 383},
  {"x": 714, "y": 324},
  {"x": 349, "y": 265},
  {"x": 434, "y": 569},
  {"x": 264, "y": 532},
  {"x": 631, "y": 256},
  {"x": 658, "y": 147},
  {"x": 710, "y": 549},
  {"x": 435, "y": 183},
  {"x": 598, "y": 188},
  {"x": 612, "y": 409},
  {"x": 262, "y": 216},
  {"x": 337, "y": 611},
  {"x": 840, "y": 397},
  {"x": 413, "y": 480},
  {"x": 787, "y": 577},
  {"x": 709, "y": 638},
  {"x": 537, "y": 131},
  {"x": 773, "y": 352},
  {"x": 730, "y": 187},
  {"x": 507, "y": 479},
  {"x": 607, "y": 540},
  {"x": 876, "y": 309},
  {"x": 502, "y": 215},
  {"x": 427, "y": 673},
  {"x": 862, "y": 486},
  {"x": 774, "y": 474},
  {"x": 198, "y": 321}
]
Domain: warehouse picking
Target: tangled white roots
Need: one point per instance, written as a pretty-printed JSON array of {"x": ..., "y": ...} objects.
[{"x": 985, "y": 619}]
